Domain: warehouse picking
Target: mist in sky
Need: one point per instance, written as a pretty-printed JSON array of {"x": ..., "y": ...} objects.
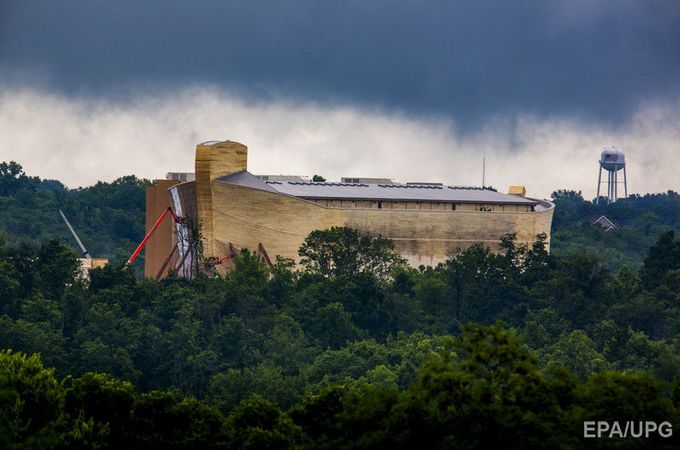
[
  {"x": 80, "y": 141},
  {"x": 94, "y": 90}
]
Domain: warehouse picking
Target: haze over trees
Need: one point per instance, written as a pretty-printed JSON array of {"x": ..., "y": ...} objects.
[{"x": 353, "y": 349}]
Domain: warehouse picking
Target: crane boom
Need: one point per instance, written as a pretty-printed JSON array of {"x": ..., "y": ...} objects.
[
  {"x": 85, "y": 254},
  {"x": 150, "y": 233}
]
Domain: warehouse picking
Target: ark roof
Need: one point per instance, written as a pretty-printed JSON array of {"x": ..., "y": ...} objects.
[
  {"x": 387, "y": 192},
  {"x": 246, "y": 179}
]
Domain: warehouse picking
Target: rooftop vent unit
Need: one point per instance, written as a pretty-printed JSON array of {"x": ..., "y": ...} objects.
[
  {"x": 181, "y": 176},
  {"x": 517, "y": 190},
  {"x": 272, "y": 178},
  {"x": 360, "y": 180}
]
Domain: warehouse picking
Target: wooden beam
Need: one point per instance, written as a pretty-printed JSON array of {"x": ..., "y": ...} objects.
[
  {"x": 264, "y": 254},
  {"x": 166, "y": 262}
]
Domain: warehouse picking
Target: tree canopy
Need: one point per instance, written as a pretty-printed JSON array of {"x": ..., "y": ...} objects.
[{"x": 351, "y": 349}]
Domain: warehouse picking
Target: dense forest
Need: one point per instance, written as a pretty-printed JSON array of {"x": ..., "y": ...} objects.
[
  {"x": 640, "y": 220},
  {"x": 352, "y": 349},
  {"x": 108, "y": 217}
]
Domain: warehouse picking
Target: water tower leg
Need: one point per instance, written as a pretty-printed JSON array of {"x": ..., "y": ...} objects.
[
  {"x": 609, "y": 186},
  {"x": 599, "y": 183},
  {"x": 625, "y": 182},
  {"x": 616, "y": 185}
]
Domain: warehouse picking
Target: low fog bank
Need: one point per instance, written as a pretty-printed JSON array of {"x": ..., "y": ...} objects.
[{"x": 82, "y": 140}]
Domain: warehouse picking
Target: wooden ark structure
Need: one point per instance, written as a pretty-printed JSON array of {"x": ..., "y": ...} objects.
[{"x": 273, "y": 214}]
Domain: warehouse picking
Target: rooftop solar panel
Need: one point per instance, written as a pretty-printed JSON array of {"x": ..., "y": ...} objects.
[{"x": 389, "y": 192}]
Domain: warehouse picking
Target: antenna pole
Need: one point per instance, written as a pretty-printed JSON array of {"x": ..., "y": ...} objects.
[
  {"x": 484, "y": 168},
  {"x": 599, "y": 183}
]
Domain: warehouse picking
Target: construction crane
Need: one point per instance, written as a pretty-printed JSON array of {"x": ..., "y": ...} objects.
[
  {"x": 85, "y": 253},
  {"x": 153, "y": 229},
  {"x": 87, "y": 262},
  {"x": 180, "y": 220}
]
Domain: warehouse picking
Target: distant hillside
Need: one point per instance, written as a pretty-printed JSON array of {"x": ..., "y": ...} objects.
[
  {"x": 108, "y": 217},
  {"x": 641, "y": 219}
]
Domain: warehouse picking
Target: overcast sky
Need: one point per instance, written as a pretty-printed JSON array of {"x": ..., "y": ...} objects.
[{"x": 93, "y": 89}]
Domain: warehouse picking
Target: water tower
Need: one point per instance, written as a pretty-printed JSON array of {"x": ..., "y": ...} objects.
[{"x": 612, "y": 160}]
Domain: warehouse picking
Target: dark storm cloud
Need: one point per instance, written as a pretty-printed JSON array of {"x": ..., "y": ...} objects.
[{"x": 470, "y": 60}]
